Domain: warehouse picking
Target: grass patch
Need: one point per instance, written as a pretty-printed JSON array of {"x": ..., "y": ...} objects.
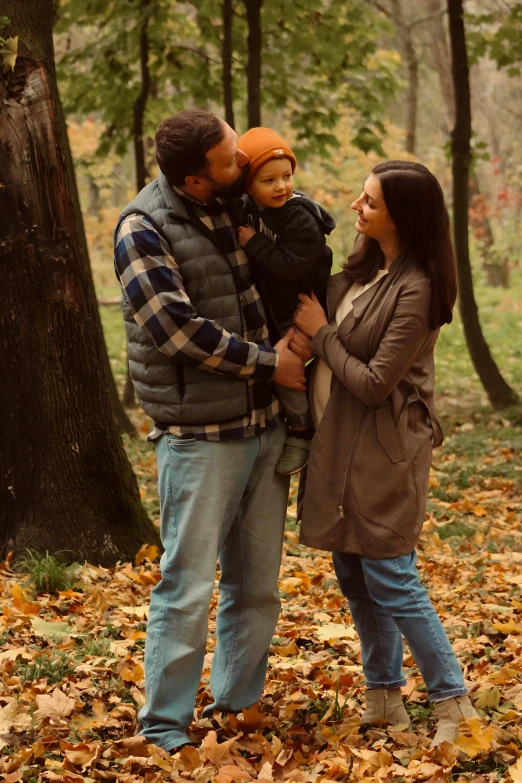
[
  {"x": 455, "y": 529},
  {"x": 47, "y": 573},
  {"x": 53, "y": 668},
  {"x": 446, "y": 495},
  {"x": 94, "y": 647}
]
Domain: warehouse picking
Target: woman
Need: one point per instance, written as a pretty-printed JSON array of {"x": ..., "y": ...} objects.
[{"x": 372, "y": 405}]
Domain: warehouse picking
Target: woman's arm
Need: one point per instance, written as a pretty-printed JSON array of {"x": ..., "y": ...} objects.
[{"x": 405, "y": 336}]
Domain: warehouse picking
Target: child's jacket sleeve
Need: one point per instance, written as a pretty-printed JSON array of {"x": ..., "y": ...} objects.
[{"x": 295, "y": 252}]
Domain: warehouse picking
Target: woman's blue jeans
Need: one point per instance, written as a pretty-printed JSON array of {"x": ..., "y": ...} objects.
[{"x": 387, "y": 602}]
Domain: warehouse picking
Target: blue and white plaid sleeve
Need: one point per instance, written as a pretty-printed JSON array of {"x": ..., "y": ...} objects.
[{"x": 153, "y": 285}]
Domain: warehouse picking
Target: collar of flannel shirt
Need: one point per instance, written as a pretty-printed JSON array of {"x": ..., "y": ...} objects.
[{"x": 212, "y": 207}]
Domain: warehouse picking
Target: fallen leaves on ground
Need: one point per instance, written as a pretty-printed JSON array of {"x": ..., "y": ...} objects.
[{"x": 72, "y": 667}]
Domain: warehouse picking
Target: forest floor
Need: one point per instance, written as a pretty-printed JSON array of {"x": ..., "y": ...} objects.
[{"x": 71, "y": 663}]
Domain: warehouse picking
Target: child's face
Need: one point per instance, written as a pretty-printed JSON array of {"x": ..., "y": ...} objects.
[{"x": 273, "y": 183}]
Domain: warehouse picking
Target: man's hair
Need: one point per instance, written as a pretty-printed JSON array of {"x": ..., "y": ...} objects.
[{"x": 182, "y": 142}]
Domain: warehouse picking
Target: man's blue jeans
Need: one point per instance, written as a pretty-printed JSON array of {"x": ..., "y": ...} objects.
[
  {"x": 387, "y": 602},
  {"x": 218, "y": 499}
]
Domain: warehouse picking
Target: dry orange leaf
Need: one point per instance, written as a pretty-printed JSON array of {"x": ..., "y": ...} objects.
[
  {"x": 146, "y": 552},
  {"x": 286, "y": 650},
  {"x": 84, "y": 754},
  {"x": 55, "y": 706},
  {"x": 19, "y": 602},
  {"x": 190, "y": 758},
  {"x": 217, "y": 753},
  {"x": 474, "y": 737},
  {"x": 515, "y": 771},
  {"x": 133, "y": 675},
  {"x": 509, "y": 627}
]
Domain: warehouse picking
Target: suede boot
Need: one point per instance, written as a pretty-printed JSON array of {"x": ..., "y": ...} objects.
[
  {"x": 384, "y": 706},
  {"x": 450, "y": 713}
]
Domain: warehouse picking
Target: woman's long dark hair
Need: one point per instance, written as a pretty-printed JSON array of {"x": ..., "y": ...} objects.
[{"x": 415, "y": 202}]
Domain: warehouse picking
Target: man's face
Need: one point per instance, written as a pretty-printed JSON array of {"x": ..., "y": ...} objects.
[{"x": 226, "y": 168}]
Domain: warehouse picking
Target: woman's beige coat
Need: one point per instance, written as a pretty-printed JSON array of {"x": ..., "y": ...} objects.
[{"x": 366, "y": 483}]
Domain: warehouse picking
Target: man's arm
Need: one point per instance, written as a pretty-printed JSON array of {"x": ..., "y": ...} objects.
[
  {"x": 154, "y": 288},
  {"x": 295, "y": 254}
]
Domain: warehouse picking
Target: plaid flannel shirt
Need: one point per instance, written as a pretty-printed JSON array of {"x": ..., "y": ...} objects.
[{"x": 153, "y": 285}]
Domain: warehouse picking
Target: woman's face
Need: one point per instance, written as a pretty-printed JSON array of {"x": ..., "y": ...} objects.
[{"x": 373, "y": 217}]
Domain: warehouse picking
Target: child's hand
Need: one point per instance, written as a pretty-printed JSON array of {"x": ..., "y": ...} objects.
[
  {"x": 309, "y": 316},
  {"x": 244, "y": 233}
]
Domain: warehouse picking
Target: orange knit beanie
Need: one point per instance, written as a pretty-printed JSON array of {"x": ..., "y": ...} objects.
[{"x": 262, "y": 145}]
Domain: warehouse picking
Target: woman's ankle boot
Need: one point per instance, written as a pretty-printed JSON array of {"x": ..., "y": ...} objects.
[
  {"x": 450, "y": 713},
  {"x": 383, "y": 706}
]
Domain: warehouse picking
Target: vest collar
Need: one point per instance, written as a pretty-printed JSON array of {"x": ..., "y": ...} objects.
[{"x": 174, "y": 201}]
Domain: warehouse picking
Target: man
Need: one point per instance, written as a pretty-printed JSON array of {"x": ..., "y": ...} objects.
[{"x": 203, "y": 368}]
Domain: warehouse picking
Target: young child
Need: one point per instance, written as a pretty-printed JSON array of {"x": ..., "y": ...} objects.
[{"x": 283, "y": 233}]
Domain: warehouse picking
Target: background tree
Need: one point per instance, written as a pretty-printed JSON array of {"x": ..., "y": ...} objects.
[
  {"x": 499, "y": 392},
  {"x": 66, "y": 482},
  {"x": 226, "y": 56},
  {"x": 253, "y": 71}
]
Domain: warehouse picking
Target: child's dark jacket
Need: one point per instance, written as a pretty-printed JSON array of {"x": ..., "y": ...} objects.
[{"x": 288, "y": 254}]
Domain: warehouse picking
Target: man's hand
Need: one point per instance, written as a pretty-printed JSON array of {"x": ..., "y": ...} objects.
[
  {"x": 300, "y": 345},
  {"x": 244, "y": 233},
  {"x": 309, "y": 316},
  {"x": 290, "y": 372}
]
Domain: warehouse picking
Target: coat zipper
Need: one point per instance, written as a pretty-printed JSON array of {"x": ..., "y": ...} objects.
[{"x": 348, "y": 464}]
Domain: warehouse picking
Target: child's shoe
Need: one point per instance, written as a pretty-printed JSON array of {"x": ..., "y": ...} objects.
[{"x": 294, "y": 457}]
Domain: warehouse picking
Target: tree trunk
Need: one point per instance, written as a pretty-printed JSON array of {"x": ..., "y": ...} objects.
[
  {"x": 66, "y": 482},
  {"x": 226, "y": 57},
  {"x": 94, "y": 198},
  {"x": 141, "y": 101},
  {"x": 253, "y": 10},
  {"x": 496, "y": 271},
  {"x": 412, "y": 68},
  {"x": 499, "y": 392},
  {"x": 441, "y": 57},
  {"x": 129, "y": 398}
]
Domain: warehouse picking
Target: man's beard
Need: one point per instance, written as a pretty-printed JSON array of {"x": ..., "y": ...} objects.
[{"x": 236, "y": 188}]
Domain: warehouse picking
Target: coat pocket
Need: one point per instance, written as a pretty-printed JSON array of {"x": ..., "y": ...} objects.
[{"x": 388, "y": 435}]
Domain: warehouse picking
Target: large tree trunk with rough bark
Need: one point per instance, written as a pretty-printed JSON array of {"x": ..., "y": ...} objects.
[
  {"x": 253, "y": 12},
  {"x": 499, "y": 392},
  {"x": 66, "y": 483}
]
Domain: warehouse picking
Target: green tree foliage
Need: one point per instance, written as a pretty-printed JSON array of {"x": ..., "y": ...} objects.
[
  {"x": 317, "y": 58},
  {"x": 320, "y": 57},
  {"x": 497, "y": 36},
  {"x": 99, "y": 70}
]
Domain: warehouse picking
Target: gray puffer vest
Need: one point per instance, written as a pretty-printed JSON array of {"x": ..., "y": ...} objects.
[{"x": 169, "y": 391}]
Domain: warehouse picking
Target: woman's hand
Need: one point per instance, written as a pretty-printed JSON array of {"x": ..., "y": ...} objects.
[
  {"x": 309, "y": 316},
  {"x": 300, "y": 345},
  {"x": 244, "y": 233}
]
